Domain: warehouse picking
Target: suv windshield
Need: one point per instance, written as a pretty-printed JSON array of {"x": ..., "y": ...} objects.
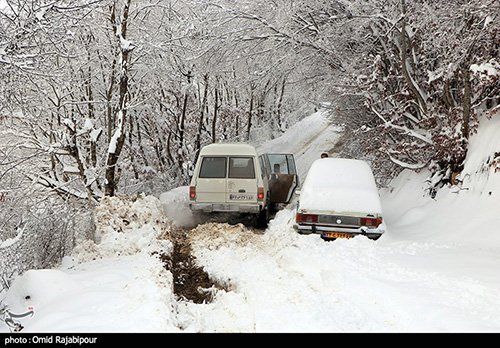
[
  {"x": 241, "y": 168},
  {"x": 213, "y": 167}
]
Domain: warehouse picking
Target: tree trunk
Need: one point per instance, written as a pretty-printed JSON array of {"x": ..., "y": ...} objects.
[
  {"x": 250, "y": 113},
  {"x": 467, "y": 92},
  {"x": 216, "y": 112},
  {"x": 118, "y": 138},
  {"x": 197, "y": 143},
  {"x": 404, "y": 57},
  {"x": 280, "y": 105}
]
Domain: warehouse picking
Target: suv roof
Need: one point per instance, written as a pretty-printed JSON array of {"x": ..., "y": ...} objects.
[{"x": 229, "y": 149}]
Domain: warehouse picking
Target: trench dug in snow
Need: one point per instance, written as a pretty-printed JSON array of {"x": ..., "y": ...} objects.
[{"x": 191, "y": 282}]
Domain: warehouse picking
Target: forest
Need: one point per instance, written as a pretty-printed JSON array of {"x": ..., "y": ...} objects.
[{"x": 109, "y": 97}]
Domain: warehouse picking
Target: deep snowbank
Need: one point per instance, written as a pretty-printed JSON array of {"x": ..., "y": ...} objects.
[
  {"x": 466, "y": 214},
  {"x": 116, "y": 284}
]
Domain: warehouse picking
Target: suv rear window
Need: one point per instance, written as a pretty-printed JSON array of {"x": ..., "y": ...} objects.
[
  {"x": 241, "y": 168},
  {"x": 213, "y": 168}
]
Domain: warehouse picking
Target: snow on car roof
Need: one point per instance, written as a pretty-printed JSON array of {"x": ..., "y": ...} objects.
[{"x": 340, "y": 185}]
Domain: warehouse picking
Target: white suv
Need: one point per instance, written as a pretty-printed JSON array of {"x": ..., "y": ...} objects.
[{"x": 235, "y": 178}]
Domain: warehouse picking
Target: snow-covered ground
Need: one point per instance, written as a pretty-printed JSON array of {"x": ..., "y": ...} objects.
[{"x": 435, "y": 269}]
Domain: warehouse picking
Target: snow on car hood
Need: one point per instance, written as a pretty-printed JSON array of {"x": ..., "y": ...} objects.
[{"x": 341, "y": 186}]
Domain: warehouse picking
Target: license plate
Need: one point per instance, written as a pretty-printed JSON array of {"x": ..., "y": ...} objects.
[
  {"x": 337, "y": 235},
  {"x": 241, "y": 197}
]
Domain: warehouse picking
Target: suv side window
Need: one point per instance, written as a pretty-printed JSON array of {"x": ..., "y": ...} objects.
[
  {"x": 291, "y": 164},
  {"x": 279, "y": 164},
  {"x": 213, "y": 168},
  {"x": 264, "y": 167},
  {"x": 241, "y": 168}
]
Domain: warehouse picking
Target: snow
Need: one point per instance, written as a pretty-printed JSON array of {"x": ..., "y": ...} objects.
[
  {"x": 340, "y": 185},
  {"x": 491, "y": 68},
  {"x": 434, "y": 270},
  {"x": 117, "y": 134},
  {"x": 11, "y": 241},
  {"x": 126, "y": 45},
  {"x": 306, "y": 140}
]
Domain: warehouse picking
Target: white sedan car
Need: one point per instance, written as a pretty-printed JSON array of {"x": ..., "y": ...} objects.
[{"x": 339, "y": 199}]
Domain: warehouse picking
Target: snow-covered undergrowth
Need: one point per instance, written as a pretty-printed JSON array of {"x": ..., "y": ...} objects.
[
  {"x": 435, "y": 269},
  {"x": 116, "y": 283}
]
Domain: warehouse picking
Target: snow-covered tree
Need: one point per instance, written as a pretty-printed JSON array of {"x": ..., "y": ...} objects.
[{"x": 418, "y": 85}]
